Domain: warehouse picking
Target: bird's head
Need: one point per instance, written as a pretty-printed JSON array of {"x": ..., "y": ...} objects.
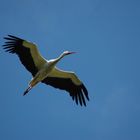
[{"x": 68, "y": 52}]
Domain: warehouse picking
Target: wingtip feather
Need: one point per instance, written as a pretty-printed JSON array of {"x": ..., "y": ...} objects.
[{"x": 85, "y": 91}]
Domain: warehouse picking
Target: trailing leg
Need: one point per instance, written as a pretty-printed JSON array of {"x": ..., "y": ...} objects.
[
  {"x": 31, "y": 85},
  {"x": 27, "y": 90}
]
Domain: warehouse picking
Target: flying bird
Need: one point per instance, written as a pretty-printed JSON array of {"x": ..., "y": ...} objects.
[{"x": 45, "y": 71}]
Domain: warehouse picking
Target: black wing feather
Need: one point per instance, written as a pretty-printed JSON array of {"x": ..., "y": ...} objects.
[
  {"x": 78, "y": 93},
  {"x": 15, "y": 45}
]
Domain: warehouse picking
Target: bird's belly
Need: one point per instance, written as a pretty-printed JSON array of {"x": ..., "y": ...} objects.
[{"x": 42, "y": 74}]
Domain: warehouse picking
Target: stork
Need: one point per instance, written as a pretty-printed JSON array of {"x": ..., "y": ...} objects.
[{"x": 45, "y": 71}]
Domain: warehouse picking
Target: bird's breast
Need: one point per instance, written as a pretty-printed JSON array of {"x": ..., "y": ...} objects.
[
  {"x": 45, "y": 71},
  {"x": 48, "y": 68}
]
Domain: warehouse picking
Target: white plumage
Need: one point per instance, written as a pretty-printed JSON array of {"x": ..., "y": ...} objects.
[{"x": 45, "y": 71}]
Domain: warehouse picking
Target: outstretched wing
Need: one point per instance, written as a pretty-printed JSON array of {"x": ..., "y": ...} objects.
[
  {"x": 26, "y": 51},
  {"x": 68, "y": 81}
]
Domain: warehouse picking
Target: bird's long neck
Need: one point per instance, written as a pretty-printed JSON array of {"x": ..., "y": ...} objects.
[{"x": 59, "y": 58}]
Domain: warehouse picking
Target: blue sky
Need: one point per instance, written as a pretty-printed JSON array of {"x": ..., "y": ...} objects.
[{"x": 106, "y": 36}]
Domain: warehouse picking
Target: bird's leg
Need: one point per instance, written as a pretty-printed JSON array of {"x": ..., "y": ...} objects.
[
  {"x": 27, "y": 90},
  {"x": 30, "y": 87},
  {"x": 32, "y": 83}
]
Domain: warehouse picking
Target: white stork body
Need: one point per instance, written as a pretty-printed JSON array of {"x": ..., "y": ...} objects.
[{"x": 45, "y": 71}]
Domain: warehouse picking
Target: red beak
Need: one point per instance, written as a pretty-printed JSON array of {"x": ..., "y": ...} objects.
[{"x": 72, "y": 52}]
